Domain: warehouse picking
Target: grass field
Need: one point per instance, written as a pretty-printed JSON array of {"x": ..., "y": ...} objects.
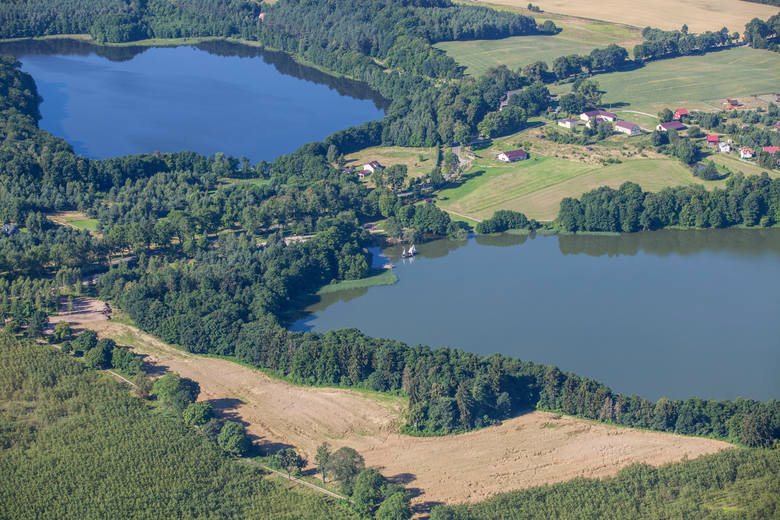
[
  {"x": 576, "y": 38},
  {"x": 695, "y": 82},
  {"x": 699, "y": 15},
  {"x": 537, "y": 186},
  {"x": 419, "y": 161}
]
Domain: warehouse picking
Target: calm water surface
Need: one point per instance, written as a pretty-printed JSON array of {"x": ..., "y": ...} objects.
[
  {"x": 216, "y": 97},
  {"x": 674, "y": 313}
]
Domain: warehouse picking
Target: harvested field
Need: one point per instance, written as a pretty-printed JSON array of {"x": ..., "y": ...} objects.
[
  {"x": 699, "y": 15},
  {"x": 526, "y": 451}
]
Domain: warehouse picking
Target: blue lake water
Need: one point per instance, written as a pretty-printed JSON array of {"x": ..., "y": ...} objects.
[
  {"x": 217, "y": 97},
  {"x": 674, "y": 313}
]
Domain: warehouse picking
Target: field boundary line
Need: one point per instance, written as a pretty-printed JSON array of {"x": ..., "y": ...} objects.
[{"x": 297, "y": 480}]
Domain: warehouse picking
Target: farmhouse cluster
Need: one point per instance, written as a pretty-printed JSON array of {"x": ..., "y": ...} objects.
[{"x": 590, "y": 117}]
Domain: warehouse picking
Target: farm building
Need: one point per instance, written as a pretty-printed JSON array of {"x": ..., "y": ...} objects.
[
  {"x": 671, "y": 125},
  {"x": 713, "y": 140},
  {"x": 600, "y": 115},
  {"x": 373, "y": 166},
  {"x": 724, "y": 147},
  {"x": 513, "y": 156},
  {"x": 731, "y": 103},
  {"x": 628, "y": 128},
  {"x": 746, "y": 152},
  {"x": 568, "y": 123},
  {"x": 362, "y": 174},
  {"x": 679, "y": 113}
]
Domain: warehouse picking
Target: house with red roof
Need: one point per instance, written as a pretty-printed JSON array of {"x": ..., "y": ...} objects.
[
  {"x": 513, "y": 156},
  {"x": 713, "y": 139},
  {"x": 671, "y": 125},
  {"x": 680, "y": 112},
  {"x": 746, "y": 152},
  {"x": 771, "y": 149}
]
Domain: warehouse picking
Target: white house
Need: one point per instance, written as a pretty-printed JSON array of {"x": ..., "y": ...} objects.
[
  {"x": 373, "y": 167},
  {"x": 746, "y": 152},
  {"x": 724, "y": 147},
  {"x": 601, "y": 115},
  {"x": 628, "y": 128},
  {"x": 568, "y": 123}
]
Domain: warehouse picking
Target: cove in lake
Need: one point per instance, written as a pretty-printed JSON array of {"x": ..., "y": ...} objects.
[
  {"x": 213, "y": 97},
  {"x": 667, "y": 313}
]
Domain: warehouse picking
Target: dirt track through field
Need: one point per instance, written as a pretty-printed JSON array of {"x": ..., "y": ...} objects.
[{"x": 526, "y": 451}]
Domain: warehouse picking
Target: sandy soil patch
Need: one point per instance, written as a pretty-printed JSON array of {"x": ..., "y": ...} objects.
[
  {"x": 699, "y": 15},
  {"x": 526, "y": 451}
]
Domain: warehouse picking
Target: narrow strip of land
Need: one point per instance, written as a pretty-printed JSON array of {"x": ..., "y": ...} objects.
[{"x": 530, "y": 450}]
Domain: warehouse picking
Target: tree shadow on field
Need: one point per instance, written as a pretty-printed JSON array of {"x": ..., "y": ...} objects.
[
  {"x": 423, "y": 509},
  {"x": 153, "y": 369},
  {"x": 402, "y": 478},
  {"x": 226, "y": 408}
]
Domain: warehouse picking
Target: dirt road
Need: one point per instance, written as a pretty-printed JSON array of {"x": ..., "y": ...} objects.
[{"x": 526, "y": 451}]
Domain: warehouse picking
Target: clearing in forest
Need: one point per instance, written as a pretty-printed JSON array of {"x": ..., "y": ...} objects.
[
  {"x": 75, "y": 219},
  {"x": 419, "y": 161},
  {"x": 699, "y": 15},
  {"x": 526, "y": 451}
]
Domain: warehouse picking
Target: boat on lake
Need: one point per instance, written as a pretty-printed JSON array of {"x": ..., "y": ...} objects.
[{"x": 410, "y": 252}]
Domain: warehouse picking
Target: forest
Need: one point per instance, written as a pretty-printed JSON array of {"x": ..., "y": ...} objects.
[
  {"x": 744, "y": 201},
  {"x": 74, "y": 444}
]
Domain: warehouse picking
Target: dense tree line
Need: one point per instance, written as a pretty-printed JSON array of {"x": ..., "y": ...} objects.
[
  {"x": 659, "y": 44},
  {"x": 89, "y": 429},
  {"x": 747, "y": 201},
  {"x": 763, "y": 34},
  {"x": 742, "y": 482},
  {"x": 504, "y": 220},
  {"x": 129, "y": 20}
]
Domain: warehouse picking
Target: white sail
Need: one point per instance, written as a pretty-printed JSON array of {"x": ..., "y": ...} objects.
[{"x": 412, "y": 250}]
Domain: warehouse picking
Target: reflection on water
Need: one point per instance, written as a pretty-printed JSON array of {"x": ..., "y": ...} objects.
[
  {"x": 282, "y": 62},
  {"x": 675, "y": 313},
  {"x": 214, "y": 97}
]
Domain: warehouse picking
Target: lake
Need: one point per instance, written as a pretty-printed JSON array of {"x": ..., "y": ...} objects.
[
  {"x": 667, "y": 313},
  {"x": 214, "y": 97}
]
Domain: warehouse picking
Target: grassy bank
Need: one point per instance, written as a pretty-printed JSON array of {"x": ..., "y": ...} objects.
[{"x": 384, "y": 277}]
